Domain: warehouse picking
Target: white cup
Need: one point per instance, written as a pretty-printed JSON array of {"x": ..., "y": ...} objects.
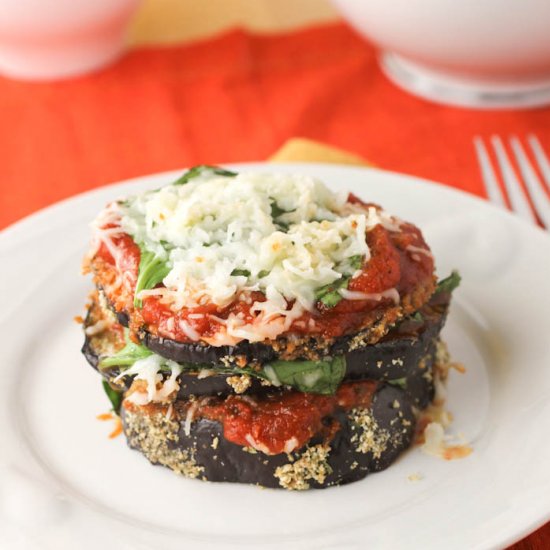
[
  {"x": 51, "y": 39},
  {"x": 477, "y": 53}
]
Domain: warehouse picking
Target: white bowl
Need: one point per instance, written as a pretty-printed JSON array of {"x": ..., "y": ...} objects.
[
  {"x": 477, "y": 53},
  {"x": 50, "y": 39}
]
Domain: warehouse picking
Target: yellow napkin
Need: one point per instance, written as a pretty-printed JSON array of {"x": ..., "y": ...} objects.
[
  {"x": 307, "y": 150},
  {"x": 176, "y": 21}
]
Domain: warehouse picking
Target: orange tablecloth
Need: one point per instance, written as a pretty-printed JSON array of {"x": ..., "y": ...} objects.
[{"x": 233, "y": 98}]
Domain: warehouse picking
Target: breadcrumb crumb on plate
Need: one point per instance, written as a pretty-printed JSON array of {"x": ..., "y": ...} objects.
[{"x": 415, "y": 476}]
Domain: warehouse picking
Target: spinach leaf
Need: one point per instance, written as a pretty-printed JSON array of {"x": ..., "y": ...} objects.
[
  {"x": 168, "y": 246},
  {"x": 329, "y": 295},
  {"x": 277, "y": 211},
  {"x": 356, "y": 261},
  {"x": 449, "y": 283},
  {"x": 202, "y": 170},
  {"x": 114, "y": 396},
  {"x": 127, "y": 356},
  {"x": 152, "y": 271},
  {"x": 322, "y": 377},
  {"x": 240, "y": 272}
]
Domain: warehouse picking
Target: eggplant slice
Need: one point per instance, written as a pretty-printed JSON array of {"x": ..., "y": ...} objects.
[
  {"x": 369, "y": 440},
  {"x": 404, "y": 357},
  {"x": 307, "y": 348}
]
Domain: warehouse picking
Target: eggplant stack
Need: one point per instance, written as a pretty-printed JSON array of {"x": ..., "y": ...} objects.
[{"x": 260, "y": 328}]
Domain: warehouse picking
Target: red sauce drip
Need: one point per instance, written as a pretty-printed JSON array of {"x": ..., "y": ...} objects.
[
  {"x": 383, "y": 270},
  {"x": 128, "y": 259},
  {"x": 272, "y": 421},
  {"x": 414, "y": 266}
]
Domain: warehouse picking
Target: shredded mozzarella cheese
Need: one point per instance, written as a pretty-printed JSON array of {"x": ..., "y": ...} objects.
[
  {"x": 419, "y": 250},
  {"x": 256, "y": 445},
  {"x": 376, "y": 296},
  {"x": 148, "y": 369},
  {"x": 223, "y": 237},
  {"x": 290, "y": 445},
  {"x": 97, "y": 328},
  {"x": 189, "y": 417}
]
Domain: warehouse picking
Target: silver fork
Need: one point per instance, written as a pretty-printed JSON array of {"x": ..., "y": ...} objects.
[{"x": 533, "y": 184}]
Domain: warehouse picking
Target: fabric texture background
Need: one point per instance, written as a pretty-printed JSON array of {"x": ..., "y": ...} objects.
[{"x": 236, "y": 97}]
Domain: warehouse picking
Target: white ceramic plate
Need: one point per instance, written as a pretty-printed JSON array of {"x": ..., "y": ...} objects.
[{"x": 64, "y": 484}]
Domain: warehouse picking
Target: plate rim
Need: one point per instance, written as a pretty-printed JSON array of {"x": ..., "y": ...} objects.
[{"x": 34, "y": 217}]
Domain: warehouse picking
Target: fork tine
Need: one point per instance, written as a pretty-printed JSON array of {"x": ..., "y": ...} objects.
[
  {"x": 488, "y": 174},
  {"x": 542, "y": 159},
  {"x": 532, "y": 181},
  {"x": 513, "y": 186}
]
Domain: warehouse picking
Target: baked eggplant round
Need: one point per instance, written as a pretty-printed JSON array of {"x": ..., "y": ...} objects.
[
  {"x": 257, "y": 265},
  {"x": 405, "y": 356},
  {"x": 361, "y": 441}
]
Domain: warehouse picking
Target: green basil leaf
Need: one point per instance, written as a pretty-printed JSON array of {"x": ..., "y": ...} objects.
[
  {"x": 356, "y": 261},
  {"x": 203, "y": 170},
  {"x": 114, "y": 396},
  {"x": 329, "y": 295},
  {"x": 449, "y": 283},
  {"x": 321, "y": 377},
  {"x": 167, "y": 246},
  {"x": 125, "y": 357},
  {"x": 240, "y": 272},
  {"x": 152, "y": 271},
  {"x": 277, "y": 211}
]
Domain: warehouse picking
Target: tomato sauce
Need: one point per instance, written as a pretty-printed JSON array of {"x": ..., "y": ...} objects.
[
  {"x": 391, "y": 265},
  {"x": 290, "y": 419},
  {"x": 128, "y": 257}
]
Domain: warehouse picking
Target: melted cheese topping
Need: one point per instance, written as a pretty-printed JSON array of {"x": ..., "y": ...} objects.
[
  {"x": 223, "y": 237},
  {"x": 148, "y": 369}
]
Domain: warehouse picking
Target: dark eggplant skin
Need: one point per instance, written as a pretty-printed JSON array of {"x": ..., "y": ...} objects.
[
  {"x": 204, "y": 453},
  {"x": 90, "y": 353},
  {"x": 405, "y": 356},
  {"x": 199, "y": 352},
  {"x": 183, "y": 352},
  {"x": 405, "y": 362},
  {"x": 190, "y": 383}
]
